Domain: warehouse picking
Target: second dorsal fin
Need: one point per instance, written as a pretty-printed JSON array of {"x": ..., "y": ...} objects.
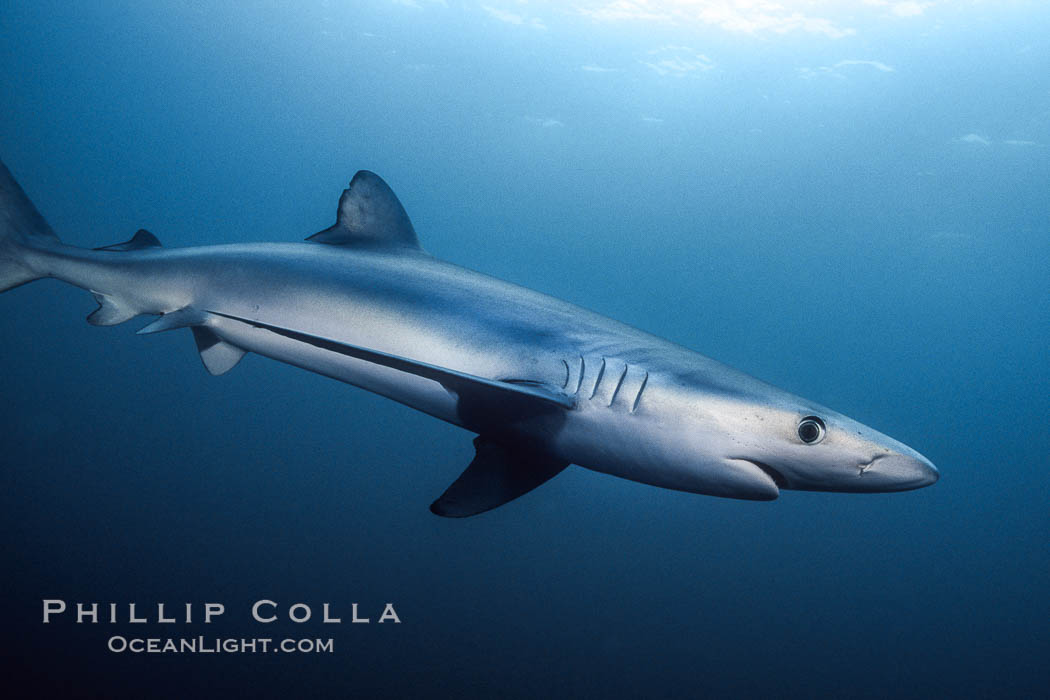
[
  {"x": 141, "y": 239},
  {"x": 370, "y": 215}
]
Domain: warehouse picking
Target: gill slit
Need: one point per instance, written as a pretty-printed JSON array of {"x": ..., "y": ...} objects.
[
  {"x": 619, "y": 383},
  {"x": 601, "y": 373},
  {"x": 638, "y": 396}
]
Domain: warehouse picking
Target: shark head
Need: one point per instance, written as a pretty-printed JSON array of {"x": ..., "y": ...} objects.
[{"x": 805, "y": 447}]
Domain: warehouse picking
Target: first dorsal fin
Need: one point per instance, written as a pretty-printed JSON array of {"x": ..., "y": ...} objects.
[
  {"x": 141, "y": 239},
  {"x": 370, "y": 215}
]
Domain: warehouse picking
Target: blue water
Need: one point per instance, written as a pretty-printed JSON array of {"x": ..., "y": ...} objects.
[{"x": 851, "y": 204}]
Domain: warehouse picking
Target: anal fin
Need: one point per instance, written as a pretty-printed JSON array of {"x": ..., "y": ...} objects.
[
  {"x": 218, "y": 356},
  {"x": 498, "y": 474},
  {"x": 110, "y": 311}
]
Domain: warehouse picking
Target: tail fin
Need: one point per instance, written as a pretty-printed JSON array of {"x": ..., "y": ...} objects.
[{"x": 21, "y": 229}]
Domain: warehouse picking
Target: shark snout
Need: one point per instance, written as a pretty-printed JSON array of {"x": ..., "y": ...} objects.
[{"x": 899, "y": 472}]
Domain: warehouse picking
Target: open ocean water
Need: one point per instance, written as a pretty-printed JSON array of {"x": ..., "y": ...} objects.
[{"x": 849, "y": 200}]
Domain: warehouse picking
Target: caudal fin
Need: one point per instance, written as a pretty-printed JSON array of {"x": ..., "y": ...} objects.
[{"x": 21, "y": 229}]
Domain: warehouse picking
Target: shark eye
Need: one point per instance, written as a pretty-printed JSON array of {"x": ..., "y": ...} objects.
[{"x": 811, "y": 430}]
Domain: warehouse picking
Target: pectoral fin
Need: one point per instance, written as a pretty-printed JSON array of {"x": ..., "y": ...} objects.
[
  {"x": 521, "y": 394},
  {"x": 498, "y": 474}
]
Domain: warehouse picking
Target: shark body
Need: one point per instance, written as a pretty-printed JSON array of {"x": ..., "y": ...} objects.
[{"x": 542, "y": 382}]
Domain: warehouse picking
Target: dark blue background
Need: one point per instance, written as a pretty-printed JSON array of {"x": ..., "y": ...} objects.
[{"x": 876, "y": 240}]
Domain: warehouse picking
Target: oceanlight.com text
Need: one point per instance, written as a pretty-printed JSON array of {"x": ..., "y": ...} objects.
[{"x": 218, "y": 645}]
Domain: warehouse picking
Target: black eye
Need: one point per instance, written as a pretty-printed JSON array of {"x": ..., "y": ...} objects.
[{"x": 811, "y": 430}]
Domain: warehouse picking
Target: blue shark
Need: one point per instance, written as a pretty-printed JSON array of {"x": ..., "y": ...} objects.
[{"x": 543, "y": 383}]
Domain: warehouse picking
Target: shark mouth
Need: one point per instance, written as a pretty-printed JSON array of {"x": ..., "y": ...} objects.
[{"x": 773, "y": 474}]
